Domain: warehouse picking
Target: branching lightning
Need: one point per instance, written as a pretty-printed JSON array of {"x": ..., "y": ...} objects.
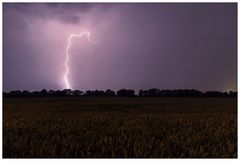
[{"x": 70, "y": 37}]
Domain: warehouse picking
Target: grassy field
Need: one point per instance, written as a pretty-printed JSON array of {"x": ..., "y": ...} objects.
[{"x": 120, "y": 127}]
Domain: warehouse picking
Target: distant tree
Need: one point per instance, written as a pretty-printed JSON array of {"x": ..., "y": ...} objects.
[
  {"x": 196, "y": 93},
  {"x": 25, "y": 93},
  {"x": 232, "y": 94},
  {"x": 141, "y": 93},
  {"x": 35, "y": 94},
  {"x": 43, "y": 92},
  {"x": 125, "y": 93},
  {"x": 99, "y": 93},
  {"x": 52, "y": 93},
  {"x": 78, "y": 93},
  {"x": 109, "y": 92},
  {"x": 15, "y": 93},
  {"x": 153, "y": 92},
  {"x": 214, "y": 94},
  {"x": 60, "y": 93},
  {"x": 150, "y": 93},
  {"x": 88, "y": 93},
  {"x": 67, "y": 92}
]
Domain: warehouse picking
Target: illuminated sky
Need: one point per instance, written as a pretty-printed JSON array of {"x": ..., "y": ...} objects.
[{"x": 166, "y": 46}]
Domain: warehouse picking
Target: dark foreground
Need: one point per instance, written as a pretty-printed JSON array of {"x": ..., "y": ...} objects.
[{"x": 120, "y": 127}]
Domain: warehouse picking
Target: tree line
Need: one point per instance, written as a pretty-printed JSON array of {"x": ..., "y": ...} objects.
[{"x": 120, "y": 93}]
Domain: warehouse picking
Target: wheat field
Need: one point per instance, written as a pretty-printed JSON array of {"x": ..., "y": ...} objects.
[{"x": 114, "y": 127}]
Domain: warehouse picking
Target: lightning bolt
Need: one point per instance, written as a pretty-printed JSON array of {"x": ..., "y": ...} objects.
[{"x": 70, "y": 37}]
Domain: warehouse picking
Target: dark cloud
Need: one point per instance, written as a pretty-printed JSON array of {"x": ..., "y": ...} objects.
[
  {"x": 145, "y": 45},
  {"x": 64, "y": 12}
]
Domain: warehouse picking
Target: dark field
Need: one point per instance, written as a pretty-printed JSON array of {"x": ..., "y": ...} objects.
[{"x": 120, "y": 127}]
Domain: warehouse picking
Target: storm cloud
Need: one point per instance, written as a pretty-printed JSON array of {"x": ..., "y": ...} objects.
[{"x": 157, "y": 45}]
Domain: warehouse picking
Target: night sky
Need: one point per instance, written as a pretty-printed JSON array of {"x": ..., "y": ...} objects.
[{"x": 142, "y": 46}]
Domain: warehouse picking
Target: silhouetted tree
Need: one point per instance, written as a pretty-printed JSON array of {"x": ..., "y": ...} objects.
[
  {"x": 25, "y": 93},
  {"x": 35, "y": 94},
  {"x": 232, "y": 94},
  {"x": 43, "y": 92},
  {"x": 52, "y": 93},
  {"x": 122, "y": 93},
  {"x": 150, "y": 93},
  {"x": 214, "y": 94},
  {"x": 15, "y": 93},
  {"x": 67, "y": 92},
  {"x": 88, "y": 93},
  {"x": 125, "y": 93},
  {"x": 109, "y": 92},
  {"x": 78, "y": 93}
]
